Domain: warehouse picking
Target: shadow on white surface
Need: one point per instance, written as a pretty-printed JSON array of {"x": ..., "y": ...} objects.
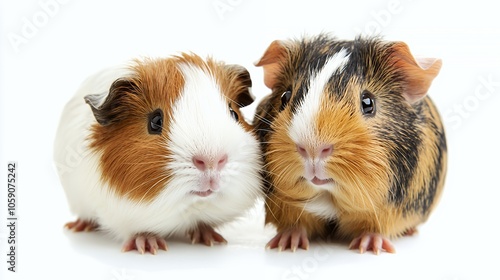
[{"x": 245, "y": 255}]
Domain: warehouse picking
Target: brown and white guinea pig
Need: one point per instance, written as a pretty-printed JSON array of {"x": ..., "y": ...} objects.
[
  {"x": 353, "y": 147},
  {"x": 159, "y": 147}
]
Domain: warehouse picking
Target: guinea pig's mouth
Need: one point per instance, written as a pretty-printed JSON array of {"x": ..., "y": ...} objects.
[
  {"x": 202, "y": 194},
  {"x": 319, "y": 182}
]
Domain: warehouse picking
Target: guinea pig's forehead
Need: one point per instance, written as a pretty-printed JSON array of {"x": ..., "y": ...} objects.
[{"x": 324, "y": 71}]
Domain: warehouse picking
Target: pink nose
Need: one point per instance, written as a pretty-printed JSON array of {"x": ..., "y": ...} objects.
[
  {"x": 321, "y": 152},
  {"x": 203, "y": 163}
]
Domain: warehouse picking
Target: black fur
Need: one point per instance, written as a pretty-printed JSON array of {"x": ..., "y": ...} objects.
[
  {"x": 403, "y": 121},
  {"x": 426, "y": 196},
  {"x": 112, "y": 109}
]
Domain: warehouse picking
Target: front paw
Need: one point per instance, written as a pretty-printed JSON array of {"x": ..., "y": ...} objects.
[
  {"x": 145, "y": 242},
  {"x": 82, "y": 225},
  {"x": 372, "y": 241},
  {"x": 206, "y": 234},
  {"x": 292, "y": 238}
]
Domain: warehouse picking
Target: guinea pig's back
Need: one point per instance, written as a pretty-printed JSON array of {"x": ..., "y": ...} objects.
[
  {"x": 76, "y": 166},
  {"x": 434, "y": 157}
]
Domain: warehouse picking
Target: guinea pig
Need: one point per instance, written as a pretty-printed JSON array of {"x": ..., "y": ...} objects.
[
  {"x": 158, "y": 147},
  {"x": 354, "y": 148}
]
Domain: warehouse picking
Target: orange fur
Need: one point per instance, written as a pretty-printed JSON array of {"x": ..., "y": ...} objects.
[
  {"x": 361, "y": 160},
  {"x": 130, "y": 158},
  {"x": 422, "y": 72},
  {"x": 132, "y": 162}
]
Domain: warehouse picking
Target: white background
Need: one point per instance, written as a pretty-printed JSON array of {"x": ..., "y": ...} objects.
[{"x": 41, "y": 69}]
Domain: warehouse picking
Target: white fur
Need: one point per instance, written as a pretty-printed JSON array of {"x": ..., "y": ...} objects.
[
  {"x": 201, "y": 125},
  {"x": 322, "y": 206},
  {"x": 77, "y": 167},
  {"x": 303, "y": 129}
]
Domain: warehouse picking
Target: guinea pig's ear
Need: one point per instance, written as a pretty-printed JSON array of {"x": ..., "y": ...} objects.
[
  {"x": 107, "y": 107},
  {"x": 271, "y": 61},
  {"x": 419, "y": 72},
  {"x": 244, "y": 96}
]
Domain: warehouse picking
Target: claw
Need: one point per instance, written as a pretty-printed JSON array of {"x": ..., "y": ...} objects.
[
  {"x": 410, "y": 232},
  {"x": 145, "y": 243},
  {"x": 207, "y": 235},
  {"x": 372, "y": 241},
  {"x": 292, "y": 238},
  {"x": 81, "y": 225}
]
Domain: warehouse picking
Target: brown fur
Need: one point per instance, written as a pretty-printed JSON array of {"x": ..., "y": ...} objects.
[
  {"x": 133, "y": 162},
  {"x": 359, "y": 173},
  {"x": 360, "y": 164}
]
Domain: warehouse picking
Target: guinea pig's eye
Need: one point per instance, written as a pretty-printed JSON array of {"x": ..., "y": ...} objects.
[
  {"x": 234, "y": 114},
  {"x": 367, "y": 103},
  {"x": 155, "y": 122},
  {"x": 285, "y": 98}
]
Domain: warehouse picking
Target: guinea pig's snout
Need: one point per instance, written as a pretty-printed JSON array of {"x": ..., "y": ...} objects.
[
  {"x": 204, "y": 163},
  {"x": 321, "y": 152},
  {"x": 209, "y": 177},
  {"x": 314, "y": 157}
]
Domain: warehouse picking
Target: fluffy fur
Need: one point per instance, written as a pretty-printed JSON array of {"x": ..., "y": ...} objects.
[
  {"x": 131, "y": 182},
  {"x": 386, "y": 171}
]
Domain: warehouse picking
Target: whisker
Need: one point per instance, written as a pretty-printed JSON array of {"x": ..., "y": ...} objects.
[
  {"x": 264, "y": 120},
  {"x": 150, "y": 188},
  {"x": 146, "y": 182},
  {"x": 144, "y": 163},
  {"x": 366, "y": 198},
  {"x": 266, "y": 130}
]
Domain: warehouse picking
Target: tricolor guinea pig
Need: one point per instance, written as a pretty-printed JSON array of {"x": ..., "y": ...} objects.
[
  {"x": 159, "y": 147},
  {"x": 353, "y": 146}
]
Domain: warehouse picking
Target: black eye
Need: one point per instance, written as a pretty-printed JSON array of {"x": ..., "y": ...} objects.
[
  {"x": 155, "y": 122},
  {"x": 285, "y": 98},
  {"x": 234, "y": 114},
  {"x": 367, "y": 103}
]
